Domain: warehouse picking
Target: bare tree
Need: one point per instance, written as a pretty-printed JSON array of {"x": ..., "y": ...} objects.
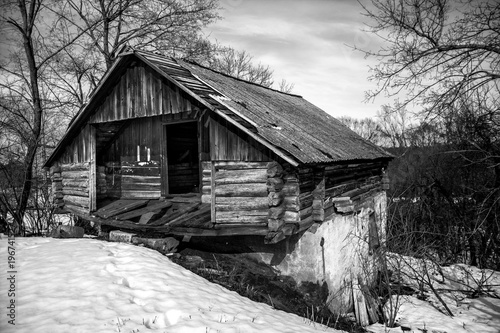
[
  {"x": 285, "y": 86},
  {"x": 240, "y": 64},
  {"x": 24, "y": 101},
  {"x": 367, "y": 128},
  {"x": 444, "y": 57},
  {"x": 395, "y": 125}
]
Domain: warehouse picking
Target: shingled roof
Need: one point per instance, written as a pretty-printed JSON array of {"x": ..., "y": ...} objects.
[{"x": 288, "y": 123}]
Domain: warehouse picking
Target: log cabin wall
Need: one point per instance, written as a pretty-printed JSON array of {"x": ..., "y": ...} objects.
[
  {"x": 349, "y": 185},
  {"x": 75, "y": 185},
  {"x": 339, "y": 188},
  {"x": 240, "y": 194}
]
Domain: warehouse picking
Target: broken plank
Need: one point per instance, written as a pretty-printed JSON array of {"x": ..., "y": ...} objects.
[
  {"x": 121, "y": 207},
  {"x": 138, "y": 212},
  {"x": 170, "y": 217}
]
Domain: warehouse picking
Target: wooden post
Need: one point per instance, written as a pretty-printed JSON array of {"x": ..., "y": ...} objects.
[
  {"x": 164, "y": 162},
  {"x": 93, "y": 170},
  {"x": 212, "y": 185}
]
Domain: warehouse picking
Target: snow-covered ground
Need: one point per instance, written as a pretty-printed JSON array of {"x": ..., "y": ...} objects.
[
  {"x": 86, "y": 285},
  {"x": 454, "y": 285}
]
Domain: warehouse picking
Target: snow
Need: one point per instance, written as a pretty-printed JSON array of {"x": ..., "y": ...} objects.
[
  {"x": 453, "y": 283},
  {"x": 87, "y": 285}
]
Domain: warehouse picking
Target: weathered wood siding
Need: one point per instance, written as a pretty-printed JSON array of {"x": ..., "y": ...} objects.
[
  {"x": 137, "y": 142},
  {"x": 240, "y": 192},
  {"x": 79, "y": 150},
  {"x": 206, "y": 182},
  {"x": 326, "y": 190},
  {"x": 228, "y": 143},
  {"x": 141, "y": 92},
  {"x": 347, "y": 185},
  {"x": 75, "y": 185}
]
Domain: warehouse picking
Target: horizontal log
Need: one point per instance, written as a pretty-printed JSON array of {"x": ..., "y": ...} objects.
[
  {"x": 239, "y": 225},
  {"x": 222, "y": 217},
  {"x": 77, "y": 200},
  {"x": 206, "y": 165},
  {"x": 76, "y": 209},
  {"x": 240, "y": 176},
  {"x": 206, "y": 198},
  {"x": 75, "y": 174},
  {"x": 75, "y": 183},
  {"x": 352, "y": 194},
  {"x": 341, "y": 188},
  {"x": 75, "y": 166},
  {"x": 241, "y": 190},
  {"x": 241, "y": 203},
  {"x": 206, "y": 189},
  {"x": 140, "y": 187},
  {"x": 83, "y": 192},
  {"x": 219, "y": 165},
  {"x": 141, "y": 179},
  {"x": 303, "y": 171}
]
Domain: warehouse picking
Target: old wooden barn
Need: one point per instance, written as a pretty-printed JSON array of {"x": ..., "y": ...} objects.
[{"x": 170, "y": 147}]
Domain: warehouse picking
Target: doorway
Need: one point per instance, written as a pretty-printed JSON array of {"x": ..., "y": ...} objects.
[{"x": 182, "y": 158}]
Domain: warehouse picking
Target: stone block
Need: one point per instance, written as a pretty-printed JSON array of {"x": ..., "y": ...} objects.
[{"x": 120, "y": 236}]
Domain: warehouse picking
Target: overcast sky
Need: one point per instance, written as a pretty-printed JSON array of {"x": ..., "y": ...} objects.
[{"x": 306, "y": 43}]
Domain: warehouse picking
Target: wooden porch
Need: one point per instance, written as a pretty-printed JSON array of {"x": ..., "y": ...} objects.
[{"x": 182, "y": 215}]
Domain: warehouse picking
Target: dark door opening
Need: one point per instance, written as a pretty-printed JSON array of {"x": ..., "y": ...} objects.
[{"x": 182, "y": 158}]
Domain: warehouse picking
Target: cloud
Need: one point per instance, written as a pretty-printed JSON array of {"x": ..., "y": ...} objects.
[{"x": 308, "y": 43}]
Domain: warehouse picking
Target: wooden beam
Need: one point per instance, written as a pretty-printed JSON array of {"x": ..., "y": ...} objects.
[{"x": 93, "y": 169}]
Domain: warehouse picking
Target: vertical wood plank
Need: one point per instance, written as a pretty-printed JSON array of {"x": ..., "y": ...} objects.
[
  {"x": 139, "y": 104},
  {"x": 212, "y": 193},
  {"x": 200, "y": 153},
  {"x": 123, "y": 88},
  {"x": 92, "y": 171},
  {"x": 132, "y": 89},
  {"x": 149, "y": 92},
  {"x": 164, "y": 162}
]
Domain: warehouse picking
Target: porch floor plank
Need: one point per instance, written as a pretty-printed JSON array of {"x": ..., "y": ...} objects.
[{"x": 119, "y": 207}]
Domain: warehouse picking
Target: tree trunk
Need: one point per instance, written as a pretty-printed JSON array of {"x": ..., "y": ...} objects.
[{"x": 28, "y": 21}]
